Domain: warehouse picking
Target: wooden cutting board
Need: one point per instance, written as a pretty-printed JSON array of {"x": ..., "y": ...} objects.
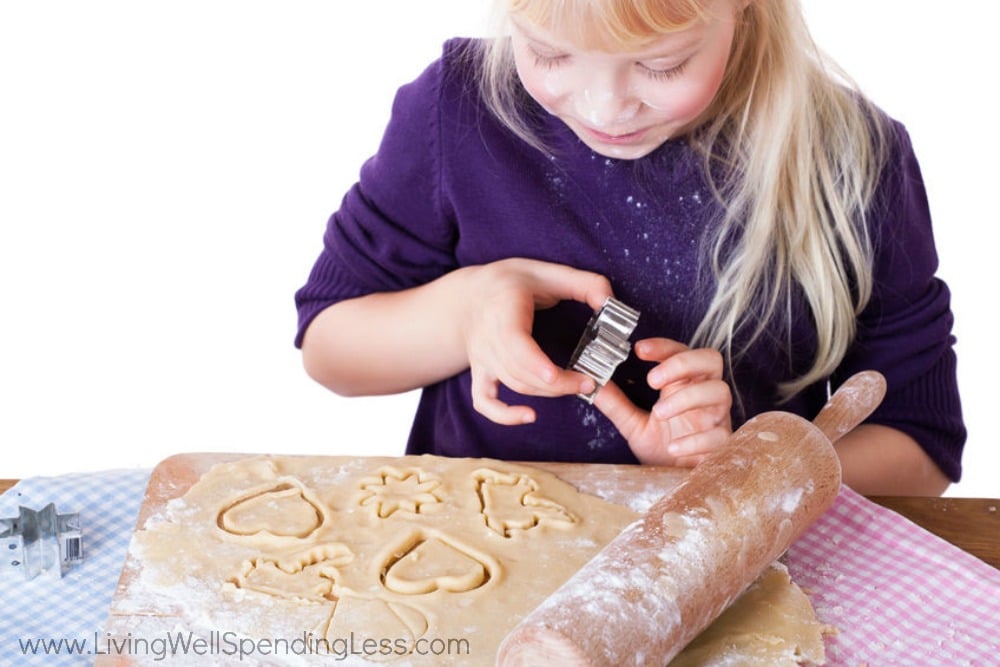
[
  {"x": 636, "y": 487},
  {"x": 629, "y": 485}
]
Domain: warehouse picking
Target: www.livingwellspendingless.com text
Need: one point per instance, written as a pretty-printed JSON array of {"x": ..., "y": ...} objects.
[{"x": 242, "y": 648}]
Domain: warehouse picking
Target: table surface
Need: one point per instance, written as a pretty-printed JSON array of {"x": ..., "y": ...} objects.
[{"x": 971, "y": 524}]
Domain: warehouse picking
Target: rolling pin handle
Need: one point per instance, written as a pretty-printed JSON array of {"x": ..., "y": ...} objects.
[{"x": 852, "y": 403}]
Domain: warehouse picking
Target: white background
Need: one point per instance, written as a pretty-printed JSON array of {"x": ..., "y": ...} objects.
[{"x": 166, "y": 171}]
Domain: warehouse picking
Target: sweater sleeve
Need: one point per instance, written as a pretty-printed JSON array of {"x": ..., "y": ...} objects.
[
  {"x": 390, "y": 232},
  {"x": 905, "y": 331}
]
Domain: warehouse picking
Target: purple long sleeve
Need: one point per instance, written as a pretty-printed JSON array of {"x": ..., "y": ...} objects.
[{"x": 450, "y": 187}]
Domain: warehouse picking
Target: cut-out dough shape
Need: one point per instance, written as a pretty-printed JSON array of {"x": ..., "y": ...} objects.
[
  {"x": 430, "y": 563},
  {"x": 236, "y": 551},
  {"x": 309, "y": 576},
  {"x": 400, "y": 622},
  {"x": 282, "y": 510},
  {"x": 396, "y": 490},
  {"x": 511, "y": 502}
]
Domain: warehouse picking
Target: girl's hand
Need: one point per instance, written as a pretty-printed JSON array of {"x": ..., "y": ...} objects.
[
  {"x": 500, "y": 307},
  {"x": 692, "y": 415}
]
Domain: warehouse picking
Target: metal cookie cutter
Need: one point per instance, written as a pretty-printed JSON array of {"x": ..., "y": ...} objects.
[
  {"x": 604, "y": 344},
  {"x": 40, "y": 541}
]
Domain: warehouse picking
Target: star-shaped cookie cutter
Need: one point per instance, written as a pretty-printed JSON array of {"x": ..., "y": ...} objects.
[{"x": 39, "y": 541}]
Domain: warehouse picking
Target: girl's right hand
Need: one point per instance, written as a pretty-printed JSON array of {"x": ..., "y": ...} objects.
[{"x": 499, "y": 310}]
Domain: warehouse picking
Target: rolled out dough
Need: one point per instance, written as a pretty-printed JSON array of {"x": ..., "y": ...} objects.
[{"x": 369, "y": 560}]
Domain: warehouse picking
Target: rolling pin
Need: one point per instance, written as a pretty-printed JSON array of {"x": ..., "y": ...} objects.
[{"x": 667, "y": 576}]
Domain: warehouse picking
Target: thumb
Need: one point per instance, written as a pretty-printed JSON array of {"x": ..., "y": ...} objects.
[{"x": 620, "y": 410}]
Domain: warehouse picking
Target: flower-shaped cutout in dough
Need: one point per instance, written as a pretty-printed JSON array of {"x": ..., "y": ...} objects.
[{"x": 395, "y": 490}]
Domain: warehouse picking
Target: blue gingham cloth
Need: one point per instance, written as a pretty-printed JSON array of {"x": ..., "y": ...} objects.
[{"x": 51, "y": 621}]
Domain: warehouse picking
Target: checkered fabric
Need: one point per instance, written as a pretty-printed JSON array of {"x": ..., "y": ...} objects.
[
  {"x": 50, "y": 612},
  {"x": 896, "y": 594}
]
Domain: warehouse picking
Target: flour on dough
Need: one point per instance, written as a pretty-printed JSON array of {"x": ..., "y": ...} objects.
[
  {"x": 359, "y": 559},
  {"x": 375, "y": 552},
  {"x": 772, "y": 624}
]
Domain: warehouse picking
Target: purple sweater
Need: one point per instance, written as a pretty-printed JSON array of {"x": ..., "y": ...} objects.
[{"x": 451, "y": 187}]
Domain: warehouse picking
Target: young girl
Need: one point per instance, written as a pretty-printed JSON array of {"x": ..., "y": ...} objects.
[{"x": 696, "y": 159}]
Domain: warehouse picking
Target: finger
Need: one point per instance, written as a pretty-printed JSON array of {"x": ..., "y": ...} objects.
[
  {"x": 712, "y": 396},
  {"x": 699, "y": 445},
  {"x": 689, "y": 461},
  {"x": 565, "y": 282},
  {"x": 687, "y": 366},
  {"x": 658, "y": 349},
  {"x": 485, "y": 402},
  {"x": 620, "y": 410},
  {"x": 526, "y": 369}
]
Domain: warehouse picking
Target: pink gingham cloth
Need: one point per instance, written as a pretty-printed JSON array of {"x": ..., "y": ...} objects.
[{"x": 897, "y": 594}]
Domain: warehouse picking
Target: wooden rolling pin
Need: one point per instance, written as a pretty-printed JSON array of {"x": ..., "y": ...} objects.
[{"x": 666, "y": 577}]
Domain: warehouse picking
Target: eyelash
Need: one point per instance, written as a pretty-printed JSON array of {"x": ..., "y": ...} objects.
[
  {"x": 549, "y": 62},
  {"x": 664, "y": 74}
]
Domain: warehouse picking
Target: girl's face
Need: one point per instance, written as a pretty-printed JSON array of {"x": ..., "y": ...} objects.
[{"x": 625, "y": 105}]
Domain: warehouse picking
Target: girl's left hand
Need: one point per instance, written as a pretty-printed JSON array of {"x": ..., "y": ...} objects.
[{"x": 692, "y": 415}]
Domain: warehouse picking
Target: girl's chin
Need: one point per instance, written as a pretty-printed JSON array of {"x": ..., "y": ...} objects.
[
  {"x": 629, "y": 146},
  {"x": 621, "y": 151}
]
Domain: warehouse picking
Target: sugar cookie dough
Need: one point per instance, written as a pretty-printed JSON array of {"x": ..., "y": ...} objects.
[
  {"x": 366, "y": 556},
  {"x": 411, "y": 560},
  {"x": 771, "y": 625}
]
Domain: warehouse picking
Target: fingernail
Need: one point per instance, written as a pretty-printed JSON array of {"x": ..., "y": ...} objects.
[
  {"x": 587, "y": 386},
  {"x": 662, "y": 410}
]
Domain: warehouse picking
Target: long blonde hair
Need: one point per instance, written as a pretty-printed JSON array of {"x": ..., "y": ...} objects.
[{"x": 791, "y": 148}]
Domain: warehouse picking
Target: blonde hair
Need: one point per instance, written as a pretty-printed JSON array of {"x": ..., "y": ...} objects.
[{"x": 791, "y": 148}]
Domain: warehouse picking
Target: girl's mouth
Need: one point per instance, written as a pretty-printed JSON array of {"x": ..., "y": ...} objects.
[{"x": 624, "y": 139}]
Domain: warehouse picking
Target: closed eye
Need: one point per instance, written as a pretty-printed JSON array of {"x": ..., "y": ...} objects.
[
  {"x": 546, "y": 60},
  {"x": 663, "y": 74}
]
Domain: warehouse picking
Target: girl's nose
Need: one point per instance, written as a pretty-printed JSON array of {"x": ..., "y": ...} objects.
[{"x": 604, "y": 101}]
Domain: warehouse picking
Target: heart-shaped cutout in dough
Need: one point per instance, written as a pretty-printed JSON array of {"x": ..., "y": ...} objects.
[
  {"x": 283, "y": 511},
  {"x": 432, "y": 564}
]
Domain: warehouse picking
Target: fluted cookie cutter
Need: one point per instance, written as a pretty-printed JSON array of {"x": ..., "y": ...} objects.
[
  {"x": 604, "y": 344},
  {"x": 39, "y": 541}
]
